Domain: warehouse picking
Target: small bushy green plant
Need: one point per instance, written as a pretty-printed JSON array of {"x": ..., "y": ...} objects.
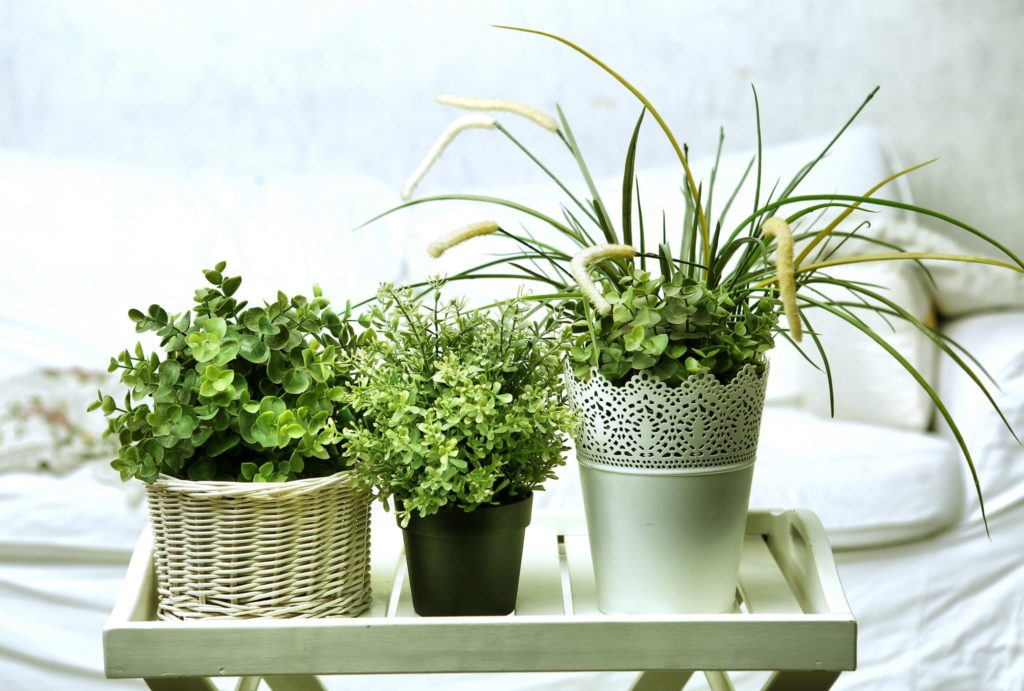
[
  {"x": 238, "y": 394},
  {"x": 673, "y": 328},
  {"x": 456, "y": 407}
]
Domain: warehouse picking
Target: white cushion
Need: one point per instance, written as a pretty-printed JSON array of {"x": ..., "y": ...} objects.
[
  {"x": 960, "y": 288},
  {"x": 997, "y": 341},
  {"x": 870, "y": 485},
  {"x": 870, "y": 385},
  {"x": 85, "y": 242}
]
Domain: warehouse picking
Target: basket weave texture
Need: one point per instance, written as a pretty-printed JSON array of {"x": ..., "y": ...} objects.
[{"x": 243, "y": 550}]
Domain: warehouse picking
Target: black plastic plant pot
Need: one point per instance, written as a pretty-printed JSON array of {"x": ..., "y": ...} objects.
[{"x": 467, "y": 563}]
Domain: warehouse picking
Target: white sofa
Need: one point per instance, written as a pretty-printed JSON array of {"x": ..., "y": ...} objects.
[{"x": 939, "y": 604}]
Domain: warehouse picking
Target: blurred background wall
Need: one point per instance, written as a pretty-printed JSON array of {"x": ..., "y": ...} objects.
[{"x": 265, "y": 87}]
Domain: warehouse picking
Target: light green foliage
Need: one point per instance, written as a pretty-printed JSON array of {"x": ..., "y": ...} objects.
[
  {"x": 673, "y": 328},
  {"x": 239, "y": 393},
  {"x": 456, "y": 407}
]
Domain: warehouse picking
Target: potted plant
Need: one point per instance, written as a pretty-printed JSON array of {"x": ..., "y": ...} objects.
[
  {"x": 461, "y": 417},
  {"x": 668, "y": 364},
  {"x": 236, "y": 429}
]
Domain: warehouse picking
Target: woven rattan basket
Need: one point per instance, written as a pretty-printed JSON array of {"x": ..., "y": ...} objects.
[{"x": 241, "y": 550}]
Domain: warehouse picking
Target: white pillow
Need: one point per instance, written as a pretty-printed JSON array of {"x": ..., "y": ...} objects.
[
  {"x": 997, "y": 340},
  {"x": 960, "y": 288},
  {"x": 84, "y": 242},
  {"x": 870, "y": 485},
  {"x": 870, "y": 385}
]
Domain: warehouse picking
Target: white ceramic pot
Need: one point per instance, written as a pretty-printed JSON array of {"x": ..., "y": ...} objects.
[{"x": 666, "y": 476}]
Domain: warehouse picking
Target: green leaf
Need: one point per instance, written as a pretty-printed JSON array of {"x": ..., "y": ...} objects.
[
  {"x": 136, "y": 316},
  {"x": 627, "y": 183},
  {"x": 277, "y": 367},
  {"x": 251, "y": 318},
  {"x": 641, "y": 361},
  {"x": 253, "y": 349},
  {"x": 230, "y": 286},
  {"x": 215, "y": 326},
  {"x": 213, "y": 277},
  {"x": 249, "y": 470},
  {"x": 296, "y": 463},
  {"x": 621, "y": 314},
  {"x": 220, "y": 444},
  {"x": 656, "y": 345},
  {"x": 226, "y": 351},
  {"x": 296, "y": 381},
  {"x": 203, "y": 470},
  {"x": 635, "y": 338}
]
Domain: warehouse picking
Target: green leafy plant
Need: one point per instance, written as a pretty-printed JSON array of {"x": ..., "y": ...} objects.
[
  {"x": 709, "y": 299},
  {"x": 238, "y": 394},
  {"x": 456, "y": 407},
  {"x": 674, "y": 329}
]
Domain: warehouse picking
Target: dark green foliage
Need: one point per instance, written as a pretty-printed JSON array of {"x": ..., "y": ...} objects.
[{"x": 238, "y": 393}]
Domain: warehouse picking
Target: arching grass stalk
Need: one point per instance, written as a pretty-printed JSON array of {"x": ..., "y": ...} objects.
[{"x": 715, "y": 307}]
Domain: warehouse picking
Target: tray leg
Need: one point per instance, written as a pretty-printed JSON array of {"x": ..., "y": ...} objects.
[
  {"x": 294, "y": 682},
  {"x": 719, "y": 681},
  {"x": 662, "y": 680},
  {"x": 801, "y": 681},
  {"x": 180, "y": 684}
]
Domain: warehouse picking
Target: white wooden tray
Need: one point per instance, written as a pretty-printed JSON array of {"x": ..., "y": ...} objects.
[{"x": 792, "y": 616}]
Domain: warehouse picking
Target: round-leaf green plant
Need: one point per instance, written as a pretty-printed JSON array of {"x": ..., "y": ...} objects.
[
  {"x": 239, "y": 393},
  {"x": 456, "y": 407}
]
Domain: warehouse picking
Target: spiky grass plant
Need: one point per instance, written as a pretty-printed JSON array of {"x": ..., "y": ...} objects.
[{"x": 711, "y": 301}]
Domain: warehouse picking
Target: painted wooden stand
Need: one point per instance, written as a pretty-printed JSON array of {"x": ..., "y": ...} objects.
[{"x": 791, "y": 616}]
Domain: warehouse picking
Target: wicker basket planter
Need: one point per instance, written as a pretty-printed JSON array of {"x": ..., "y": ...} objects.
[{"x": 242, "y": 550}]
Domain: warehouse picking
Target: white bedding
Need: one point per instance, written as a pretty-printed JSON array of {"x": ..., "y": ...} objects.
[
  {"x": 922, "y": 609},
  {"x": 935, "y": 613}
]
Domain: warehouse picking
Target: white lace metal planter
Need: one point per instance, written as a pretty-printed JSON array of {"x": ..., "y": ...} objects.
[{"x": 666, "y": 476}]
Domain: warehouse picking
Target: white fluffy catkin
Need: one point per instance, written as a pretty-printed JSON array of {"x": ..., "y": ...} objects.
[
  {"x": 456, "y": 237},
  {"x": 490, "y": 104},
  {"x": 777, "y": 228},
  {"x": 462, "y": 124},
  {"x": 580, "y": 268}
]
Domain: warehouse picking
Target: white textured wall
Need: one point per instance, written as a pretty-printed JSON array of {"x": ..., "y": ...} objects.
[{"x": 270, "y": 86}]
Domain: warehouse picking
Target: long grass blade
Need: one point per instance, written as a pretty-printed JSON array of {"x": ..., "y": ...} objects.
[
  {"x": 760, "y": 164},
  {"x": 547, "y": 171},
  {"x": 643, "y": 99},
  {"x": 599, "y": 209},
  {"x": 934, "y": 336},
  {"x": 846, "y": 212},
  {"x": 735, "y": 192},
  {"x": 922, "y": 382},
  {"x": 640, "y": 224},
  {"x": 627, "y": 183},
  {"x": 825, "y": 365},
  {"x": 809, "y": 167},
  {"x": 483, "y": 199},
  {"x": 842, "y": 198},
  {"x": 714, "y": 175},
  {"x": 665, "y": 259}
]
